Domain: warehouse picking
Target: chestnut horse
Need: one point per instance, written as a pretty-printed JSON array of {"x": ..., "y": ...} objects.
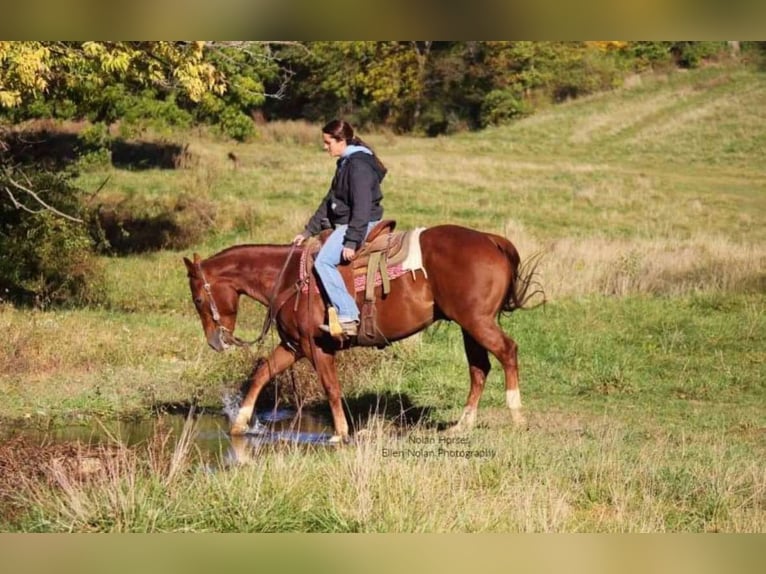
[{"x": 470, "y": 277}]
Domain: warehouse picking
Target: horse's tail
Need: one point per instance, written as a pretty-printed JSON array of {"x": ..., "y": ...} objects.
[{"x": 524, "y": 283}]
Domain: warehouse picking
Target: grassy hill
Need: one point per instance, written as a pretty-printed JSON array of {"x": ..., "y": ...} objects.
[{"x": 666, "y": 174}]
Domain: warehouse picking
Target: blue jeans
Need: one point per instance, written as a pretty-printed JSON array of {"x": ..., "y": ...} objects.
[{"x": 326, "y": 267}]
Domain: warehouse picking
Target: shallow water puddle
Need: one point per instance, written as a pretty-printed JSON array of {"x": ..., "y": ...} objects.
[{"x": 209, "y": 434}]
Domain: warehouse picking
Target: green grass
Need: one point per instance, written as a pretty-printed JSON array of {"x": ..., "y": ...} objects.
[{"x": 643, "y": 378}]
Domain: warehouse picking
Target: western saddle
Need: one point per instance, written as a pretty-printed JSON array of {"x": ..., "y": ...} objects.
[{"x": 383, "y": 248}]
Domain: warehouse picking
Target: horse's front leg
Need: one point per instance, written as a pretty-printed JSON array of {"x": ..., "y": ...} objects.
[{"x": 280, "y": 359}]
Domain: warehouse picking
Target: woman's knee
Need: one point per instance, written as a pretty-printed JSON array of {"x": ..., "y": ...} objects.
[{"x": 327, "y": 259}]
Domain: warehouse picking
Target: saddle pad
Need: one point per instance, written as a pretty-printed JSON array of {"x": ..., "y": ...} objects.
[{"x": 394, "y": 272}]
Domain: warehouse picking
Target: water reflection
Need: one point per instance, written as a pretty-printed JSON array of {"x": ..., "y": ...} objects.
[
  {"x": 211, "y": 440},
  {"x": 276, "y": 427}
]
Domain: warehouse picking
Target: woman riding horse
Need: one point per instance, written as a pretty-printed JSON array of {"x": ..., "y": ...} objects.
[{"x": 352, "y": 207}]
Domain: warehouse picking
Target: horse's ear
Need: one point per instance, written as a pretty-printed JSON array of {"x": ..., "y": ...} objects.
[{"x": 190, "y": 267}]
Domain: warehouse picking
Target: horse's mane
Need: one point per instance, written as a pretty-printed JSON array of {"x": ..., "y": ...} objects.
[{"x": 234, "y": 249}]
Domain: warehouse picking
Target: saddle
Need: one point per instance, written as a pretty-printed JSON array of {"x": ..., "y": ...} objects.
[{"x": 383, "y": 250}]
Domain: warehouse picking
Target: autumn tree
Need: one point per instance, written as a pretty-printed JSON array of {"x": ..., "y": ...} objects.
[
  {"x": 46, "y": 235},
  {"x": 57, "y": 70}
]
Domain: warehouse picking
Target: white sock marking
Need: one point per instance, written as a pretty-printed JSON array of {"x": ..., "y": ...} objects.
[{"x": 513, "y": 399}]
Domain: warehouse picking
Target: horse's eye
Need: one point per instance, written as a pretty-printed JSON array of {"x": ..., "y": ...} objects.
[{"x": 198, "y": 300}]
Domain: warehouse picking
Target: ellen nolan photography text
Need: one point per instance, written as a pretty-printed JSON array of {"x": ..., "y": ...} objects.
[{"x": 432, "y": 447}]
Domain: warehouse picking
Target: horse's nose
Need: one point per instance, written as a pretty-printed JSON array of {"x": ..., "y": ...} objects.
[{"x": 216, "y": 342}]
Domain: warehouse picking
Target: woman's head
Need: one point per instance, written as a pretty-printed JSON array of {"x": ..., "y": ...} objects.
[
  {"x": 336, "y": 135},
  {"x": 339, "y": 130},
  {"x": 339, "y": 134}
]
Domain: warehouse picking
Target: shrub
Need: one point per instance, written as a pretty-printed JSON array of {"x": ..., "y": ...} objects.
[
  {"x": 646, "y": 55},
  {"x": 46, "y": 258},
  {"x": 582, "y": 74},
  {"x": 235, "y": 124},
  {"x": 228, "y": 118},
  {"x": 159, "y": 113},
  {"x": 501, "y": 106},
  {"x": 94, "y": 146},
  {"x": 691, "y": 54}
]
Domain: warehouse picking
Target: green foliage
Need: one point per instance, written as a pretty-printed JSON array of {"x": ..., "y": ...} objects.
[
  {"x": 645, "y": 55},
  {"x": 235, "y": 124},
  {"x": 246, "y": 70},
  {"x": 136, "y": 82},
  {"x": 583, "y": 73},
  {"x": 440, "y": 87},
  {"x": 691, "y": 54},
  {"x": 228, "y": 120},
  {"x": 501, "y": 106},
  {"x": 86, "y": 72},
  {"x": 47, "y": 259},
  {"x": 94, "y": 144}
]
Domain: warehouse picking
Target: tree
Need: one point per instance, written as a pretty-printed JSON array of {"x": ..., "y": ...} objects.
[
  {"x": 58, "y": 69},
  {"x": 364, "y": 81},
  {"x": 46, "y": 238},
  {"x": 176, "y": 83}
]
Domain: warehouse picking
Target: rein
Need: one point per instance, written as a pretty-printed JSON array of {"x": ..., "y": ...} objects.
[{"x": 272, "y": 309}]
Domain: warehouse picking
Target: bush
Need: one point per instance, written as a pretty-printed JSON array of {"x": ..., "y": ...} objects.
[
  {"x": 502, "y": 106},
  {"x": 236, "y": 125},
  {"x": 159, "y": 113},
  {"x": 691, "y": 54},
  {"x": 647, "y": 55},
  {"x": 94, "y": 146},
  {"x": 47, "y": 259},
  {"x": 228, "y": 118},
  {"x": 583, "y": 74}
]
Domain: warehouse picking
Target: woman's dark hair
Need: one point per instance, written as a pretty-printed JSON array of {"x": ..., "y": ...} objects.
[{"x": 342, "y": 130}]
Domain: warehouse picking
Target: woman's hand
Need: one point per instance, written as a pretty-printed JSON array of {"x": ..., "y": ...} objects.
[
  {"x": 347, "y": 254},
  {"x": 298, "y": 239}
]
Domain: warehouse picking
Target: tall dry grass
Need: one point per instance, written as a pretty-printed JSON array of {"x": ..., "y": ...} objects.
[
  {"x": 111, "y": 487},
  {"x": 578, "y": 267},
  {"x": 290, "y": 132}
]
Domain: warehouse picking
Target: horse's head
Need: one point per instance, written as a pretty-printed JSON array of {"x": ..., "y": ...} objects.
[{"x": 216, "y": 303}]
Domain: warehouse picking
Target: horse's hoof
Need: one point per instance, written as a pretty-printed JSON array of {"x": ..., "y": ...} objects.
[{"x": 338, "y": 439}]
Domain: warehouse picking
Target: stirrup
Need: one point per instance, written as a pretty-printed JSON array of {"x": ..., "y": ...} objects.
[{"x": 348, "y": 329}]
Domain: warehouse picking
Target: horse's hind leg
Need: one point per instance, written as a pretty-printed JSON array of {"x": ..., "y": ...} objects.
[
  {"x": 478, "y": 368},
  {"x": 489, "y": 336},
  {"x": 281, "y": 358},
  {"x": 512, "y": 392}
]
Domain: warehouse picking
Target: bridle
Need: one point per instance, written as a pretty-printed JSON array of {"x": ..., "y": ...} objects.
[{"x": 225, "y": 335}]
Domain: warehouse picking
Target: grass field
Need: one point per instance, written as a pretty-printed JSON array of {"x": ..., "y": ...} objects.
[{"x": 643, "y": 378}]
